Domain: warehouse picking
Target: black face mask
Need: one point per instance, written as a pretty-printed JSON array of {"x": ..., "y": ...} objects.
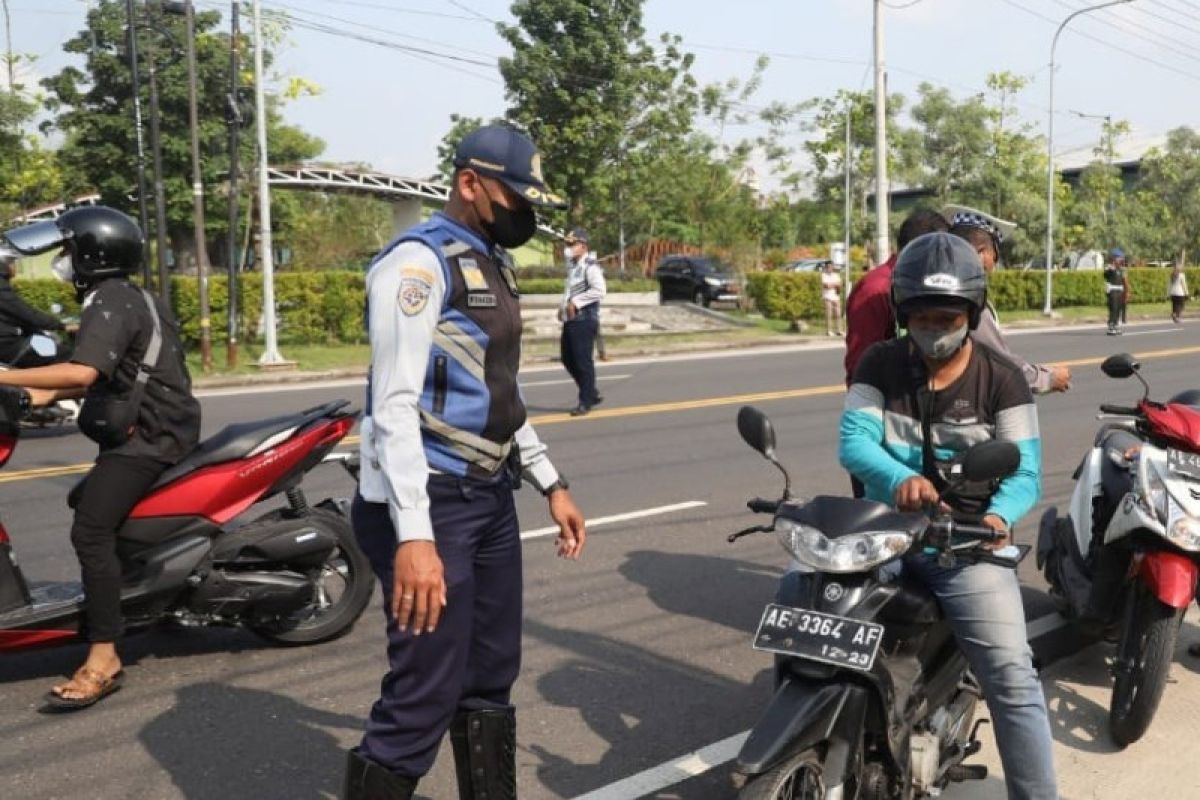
[{"x": 510, "y": 229}]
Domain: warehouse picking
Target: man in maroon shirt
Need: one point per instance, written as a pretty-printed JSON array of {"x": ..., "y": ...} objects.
[
  {"x": 870, "y": 317},
  {"x": 869, "y": 314}
]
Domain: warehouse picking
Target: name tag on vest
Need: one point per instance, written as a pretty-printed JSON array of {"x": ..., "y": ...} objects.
[{"x": 481, "y": 300}]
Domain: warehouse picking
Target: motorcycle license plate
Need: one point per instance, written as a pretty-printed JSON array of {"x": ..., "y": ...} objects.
[
  {"x": 815, "y": 636},
  {"x": 1185, "y": 464}
]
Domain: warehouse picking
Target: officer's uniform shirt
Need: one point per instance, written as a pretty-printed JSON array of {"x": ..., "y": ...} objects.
[
  {"x": 585, "y": 282},
  {"x": 405, "y": 290}
]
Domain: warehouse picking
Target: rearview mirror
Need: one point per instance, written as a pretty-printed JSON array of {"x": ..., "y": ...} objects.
[
  {"x": 1121, "y": 365},
  {"x": 989, "y": 461},
  {"x": 756, "y": 430}
]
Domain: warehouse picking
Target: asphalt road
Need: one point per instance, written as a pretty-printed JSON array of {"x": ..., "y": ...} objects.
[{"x": 635, "y": 656}]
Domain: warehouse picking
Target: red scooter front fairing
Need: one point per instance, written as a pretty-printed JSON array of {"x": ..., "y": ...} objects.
[{"x": 1170, "y": 576}]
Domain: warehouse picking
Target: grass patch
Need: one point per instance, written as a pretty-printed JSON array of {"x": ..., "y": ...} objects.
[{"x": 308, "y": 358}]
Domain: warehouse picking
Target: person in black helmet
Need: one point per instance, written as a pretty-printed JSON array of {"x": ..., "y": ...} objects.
[
  {"x": 913, "y": 405},
  {"x": 19, "y": 320},
  {"x": 128, "y": 365}
]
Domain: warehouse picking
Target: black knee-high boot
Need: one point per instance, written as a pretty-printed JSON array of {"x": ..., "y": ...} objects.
[{"x": 485, "y": 753}]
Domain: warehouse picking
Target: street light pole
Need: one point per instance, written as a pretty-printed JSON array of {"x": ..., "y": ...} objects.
[
  {"x": 160, "y": 208},
  {"x": 883, "y": 242},
  {"x": 846, "y": 201},
  {"x": 1048, "y": 308},
  {"x": 270, "y": 354}
]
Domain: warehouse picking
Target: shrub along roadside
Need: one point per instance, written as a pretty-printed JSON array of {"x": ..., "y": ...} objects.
[
  {"x": 322, "y": 307},
  {"x": 798, "y": 296}
]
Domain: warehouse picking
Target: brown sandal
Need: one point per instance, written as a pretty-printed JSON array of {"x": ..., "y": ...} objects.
[{"x": 98, "y": 686}]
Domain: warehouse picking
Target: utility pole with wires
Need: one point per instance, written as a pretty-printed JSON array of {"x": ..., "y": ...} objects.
[
  {"x": 234, "y": 115},
  {"x": 270, "y": 356},
  {"x": 136, "y": 91},
  {"x": 188, "y": 11},
  {"x": 883, "y": 242}
]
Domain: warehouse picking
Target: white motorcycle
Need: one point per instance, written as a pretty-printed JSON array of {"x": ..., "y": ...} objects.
[{"x": 1125, "y": 559}]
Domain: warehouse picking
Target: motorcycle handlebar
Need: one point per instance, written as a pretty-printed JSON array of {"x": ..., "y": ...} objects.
[
  {"x": 760, "y": 506},
  {"x": 1125, "y": 411},
  {"x": 944, "y": 530}
]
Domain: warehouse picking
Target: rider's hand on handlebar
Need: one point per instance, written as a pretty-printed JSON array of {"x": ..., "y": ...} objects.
[
  {"x": 998, "y": 525},
  {"x": 916, "y": 494}
]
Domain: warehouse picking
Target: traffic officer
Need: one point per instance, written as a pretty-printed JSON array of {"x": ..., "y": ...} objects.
[
  {"x": 580, "y": 315},
  {"x": 444, "y": 438},
  {"x": 986, "y": 233}
]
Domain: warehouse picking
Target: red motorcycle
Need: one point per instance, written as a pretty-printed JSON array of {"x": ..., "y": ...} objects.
[{"x": 191, "y": 554}]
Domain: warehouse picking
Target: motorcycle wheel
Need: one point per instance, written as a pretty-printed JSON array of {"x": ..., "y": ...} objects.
[
  {"x": 801, "y": 777},
  {"x": 342, "y": 587},
  {"x": 1147, "y": 642}
]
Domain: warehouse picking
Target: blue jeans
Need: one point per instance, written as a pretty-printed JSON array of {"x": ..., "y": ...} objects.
[{"x": 982, "y": 603}]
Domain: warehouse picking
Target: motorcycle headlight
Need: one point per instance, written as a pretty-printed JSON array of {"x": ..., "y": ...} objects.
[
  {"x": 1184, "y": 533},
  {"x": 713, "y": 281},
  {"x": 855, "y": 552}
]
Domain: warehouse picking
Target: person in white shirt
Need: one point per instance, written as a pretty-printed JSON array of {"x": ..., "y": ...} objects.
[
  {"x": 580, "y": 315},
  {"x": 831, "y": 296},
  {"x": 1177, "y": 288}
]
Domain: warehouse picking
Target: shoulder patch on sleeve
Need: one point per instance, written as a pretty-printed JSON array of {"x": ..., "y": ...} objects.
[{"x": 416, "y": 284}]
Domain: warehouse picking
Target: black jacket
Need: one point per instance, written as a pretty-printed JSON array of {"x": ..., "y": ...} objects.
[{"x": 19, "y": 319}]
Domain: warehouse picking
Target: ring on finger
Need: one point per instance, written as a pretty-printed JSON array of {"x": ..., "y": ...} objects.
[{"x": 407, "y": 596}]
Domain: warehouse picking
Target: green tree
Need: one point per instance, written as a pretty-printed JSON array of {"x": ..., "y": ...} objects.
[
  {"x": 592, "y": 92},
  {"x": 94, "y": 111},
  {"x": 828, "y": 156},
  {"x": 1172, "y": 177},
  {"x": 29, "y": 174}
]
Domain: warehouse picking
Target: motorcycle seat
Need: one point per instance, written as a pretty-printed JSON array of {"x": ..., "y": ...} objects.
[
  {"x": 233, "y": 442},
  {"x": 243, "y": 438}
]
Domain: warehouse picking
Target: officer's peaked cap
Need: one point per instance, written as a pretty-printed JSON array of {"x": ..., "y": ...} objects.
[{"x": 499, "y": 151}]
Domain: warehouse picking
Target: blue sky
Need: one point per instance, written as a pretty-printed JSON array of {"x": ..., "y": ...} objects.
[{"x": 390, "y": 109}]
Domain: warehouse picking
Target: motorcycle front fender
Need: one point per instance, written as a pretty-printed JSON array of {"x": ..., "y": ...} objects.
[
  {"x": 1170, "y": 576},
  {"x": 800, "y": 716}
]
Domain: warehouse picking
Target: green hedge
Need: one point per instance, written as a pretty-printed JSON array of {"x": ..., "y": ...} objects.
[
  {"x": 323, "y": 307},
  {"x": 798, "y": 296}
]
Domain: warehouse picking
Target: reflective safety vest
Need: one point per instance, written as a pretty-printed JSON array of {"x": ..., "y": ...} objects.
[{"x": 471, "y": 405}]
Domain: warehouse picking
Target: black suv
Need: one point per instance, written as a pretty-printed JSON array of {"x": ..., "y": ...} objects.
[{"x": 697, "y": 279}]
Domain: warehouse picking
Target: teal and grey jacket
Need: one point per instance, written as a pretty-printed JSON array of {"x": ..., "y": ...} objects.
[{"x": 881, "y": 429}]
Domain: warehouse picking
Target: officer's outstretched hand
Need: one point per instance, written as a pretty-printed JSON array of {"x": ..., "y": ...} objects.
[
  {"x": 418, "y": 587},
  {"x": 568, "y": 517}
]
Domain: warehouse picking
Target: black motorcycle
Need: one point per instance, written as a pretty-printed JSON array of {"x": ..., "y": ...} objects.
[{"x": 873, "y": 698}]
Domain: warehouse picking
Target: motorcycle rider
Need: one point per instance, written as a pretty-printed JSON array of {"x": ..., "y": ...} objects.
[
  {"x": 128, "y": 366},
  {"x": 19, "y": 320},
  {"x": 914, "y": 404},
  {"x": 986, "y": 234}
]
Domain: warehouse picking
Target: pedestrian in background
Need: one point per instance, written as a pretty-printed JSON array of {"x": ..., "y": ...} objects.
[
  {"x": 445, "y": 439},
  {"x": 580, "y": 315},
  {"x": 1177, "y": 288},
  {"x": 1114, "y": 288},
  {"x": 831, "y": 296}
]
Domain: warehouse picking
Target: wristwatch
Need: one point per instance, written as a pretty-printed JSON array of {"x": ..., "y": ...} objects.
[{"x": 561, "y": 483}]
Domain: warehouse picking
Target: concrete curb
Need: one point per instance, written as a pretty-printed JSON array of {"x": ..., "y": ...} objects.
[{"x": 668, "y": 348}]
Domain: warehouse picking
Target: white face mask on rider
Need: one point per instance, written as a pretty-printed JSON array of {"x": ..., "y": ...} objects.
[{"x": 62, "y": 268}]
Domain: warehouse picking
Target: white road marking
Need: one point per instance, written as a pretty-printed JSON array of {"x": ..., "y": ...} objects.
[
  {"x": 569, "y": 380},
  {"x": 615, "y": 518},
  {"x": 672, "y": 772},
  {"x": 272, "y": 388},
  {"x": 1156, "y": 330},
  {"x": 718, "y": 753}
]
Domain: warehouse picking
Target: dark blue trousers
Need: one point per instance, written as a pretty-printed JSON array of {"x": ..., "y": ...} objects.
[
  {"x": 471, "y": 661},
  {"x": 577, "y": 345}
]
